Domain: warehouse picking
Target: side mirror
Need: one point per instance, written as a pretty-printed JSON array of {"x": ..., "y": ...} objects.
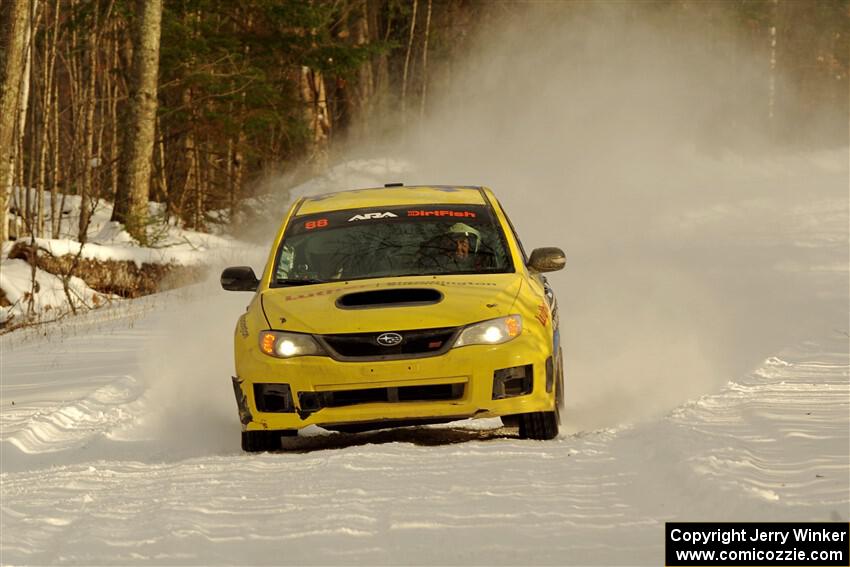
[
  {"x": 548, "y": 259},
  {"x": 239, "y": 278}
]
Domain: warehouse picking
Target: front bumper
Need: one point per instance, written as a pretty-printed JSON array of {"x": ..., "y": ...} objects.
[{"x": 472, "y": 367}]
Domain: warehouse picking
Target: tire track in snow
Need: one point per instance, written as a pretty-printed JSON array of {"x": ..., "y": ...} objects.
[
  {"x": 238, "y": 508},
  {"x": 790, "y": 423},
  {"x": 104, "y": 383},
  {"x": 72, "y": 424},
  {"x": 424, "y": 495},
  {"x": 432, "y": 495}
]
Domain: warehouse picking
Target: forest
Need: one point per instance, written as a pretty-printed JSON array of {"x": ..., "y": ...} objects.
[{"x": 193, "y": 103}]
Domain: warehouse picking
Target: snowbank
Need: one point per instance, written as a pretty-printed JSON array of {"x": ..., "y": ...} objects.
[{"x": 28, "y": 296}]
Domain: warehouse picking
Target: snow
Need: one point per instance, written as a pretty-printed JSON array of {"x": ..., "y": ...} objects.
[
  {"x": 89, "y": 479},
  {"x": 106, "y": 240},
  {"x": 189, "y": 253},
  {"x": 101, "y": 230},
  {"x": 119, "y": 435},
  {"x": 50, "y": 300}
]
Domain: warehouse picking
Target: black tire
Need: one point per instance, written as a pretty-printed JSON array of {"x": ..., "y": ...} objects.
[
  {"x": 544, "y": 425},
  {"x": 258, "y": 441},
  {"x": 541, "y": 425}
]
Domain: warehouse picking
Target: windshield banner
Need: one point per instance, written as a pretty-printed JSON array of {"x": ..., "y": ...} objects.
[{"x": 338, "y": 219}]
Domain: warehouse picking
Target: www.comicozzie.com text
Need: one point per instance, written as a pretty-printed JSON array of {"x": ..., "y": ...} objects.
[{"x": 757, "y": 534}]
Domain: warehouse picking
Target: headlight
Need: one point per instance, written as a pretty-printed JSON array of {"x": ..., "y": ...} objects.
[
  {"x": 287, "y": 345},
  {"x": 492, "y": 332}
]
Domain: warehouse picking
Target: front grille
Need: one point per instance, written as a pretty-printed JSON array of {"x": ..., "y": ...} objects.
[
  {"x": 417, "y": 343},
  {"x": 314, "y": 401}
]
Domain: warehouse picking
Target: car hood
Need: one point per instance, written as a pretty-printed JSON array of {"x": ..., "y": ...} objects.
[{"x": 418, "y": 302}]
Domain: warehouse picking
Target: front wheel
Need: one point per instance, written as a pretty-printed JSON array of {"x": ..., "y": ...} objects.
[
  {"x": 258, "y": 441},
  {"x": 544, "y": 425},
  {"x": 539, "y": 425}
]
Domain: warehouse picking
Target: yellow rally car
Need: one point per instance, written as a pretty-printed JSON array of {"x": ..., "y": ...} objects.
[{"x": 397, "y": 306}]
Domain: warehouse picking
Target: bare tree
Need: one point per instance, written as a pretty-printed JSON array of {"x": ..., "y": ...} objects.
[
  {"x": 316, "y": 115},
  {"x": 425, "y": 62},
  {"x": 88, "y": 195},
  {"x": 134, "y": 174},
  {"x": 407, "y": 56},
  {"x": 46, "y": 108},
  {"x": 14, "y": 37},
  {"x": 361, "y": 100},
  {"x": 380, "y": 61}
]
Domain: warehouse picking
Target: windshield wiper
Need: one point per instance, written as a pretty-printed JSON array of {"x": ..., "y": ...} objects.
[{"x": 305, "y": 281}]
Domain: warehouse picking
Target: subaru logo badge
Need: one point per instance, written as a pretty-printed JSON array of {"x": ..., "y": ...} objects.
[{"x": 389, "y": 339}]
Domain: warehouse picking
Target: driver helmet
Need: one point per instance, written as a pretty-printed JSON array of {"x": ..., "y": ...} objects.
[{"x": 460, "y": 229}]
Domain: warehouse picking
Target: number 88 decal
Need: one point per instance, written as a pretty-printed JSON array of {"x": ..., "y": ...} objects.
[{"x": 321, "y": 223}]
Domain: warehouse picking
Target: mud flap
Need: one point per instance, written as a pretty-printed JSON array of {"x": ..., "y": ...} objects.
[
  {"x": 559, "y": 392},
  {"x": 241, "y": 401}
]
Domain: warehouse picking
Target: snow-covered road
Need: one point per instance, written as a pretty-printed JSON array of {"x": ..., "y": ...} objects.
[
  {"x": 708, "y": 378},
  {"x": 111, "y": 457}
]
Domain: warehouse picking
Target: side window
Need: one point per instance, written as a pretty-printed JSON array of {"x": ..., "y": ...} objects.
[
  {"x": 287, "y": 259},
  {"x": 516, "y": 236}
]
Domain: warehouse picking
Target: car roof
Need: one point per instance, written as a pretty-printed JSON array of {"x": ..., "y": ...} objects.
[{"x": 389, "y": 196}]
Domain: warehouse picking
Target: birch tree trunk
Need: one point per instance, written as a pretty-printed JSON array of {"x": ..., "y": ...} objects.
[
  {"x": 55, "y": 205},
  {"x": 131, "y": 200},
  {"x": 362, "y": 97},
  {"x": 15, "y": 22},
  {"x": 47, "y": 109},
  {"x": 113, "y": 94},
  {"x": 316, "y": 115},
  {"x": 407, "y": 62},
  {"x": 425, "y": 62},
  {"x": 189, "y": 181},
  {"x": 236, "y": 159},
  {"x": 23, "y": 106},
  {"x": 87, "y": 198},
  {"x": 379, "y": 64}
]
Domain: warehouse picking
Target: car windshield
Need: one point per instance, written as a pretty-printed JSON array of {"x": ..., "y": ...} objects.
[{"x": 391, "y": 241}]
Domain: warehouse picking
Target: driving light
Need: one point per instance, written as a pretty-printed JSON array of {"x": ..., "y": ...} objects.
[
  {"x": 287, "y": 345},
  {"x": 492, "y": 332},
  {"x": 514, "y": 381}
]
